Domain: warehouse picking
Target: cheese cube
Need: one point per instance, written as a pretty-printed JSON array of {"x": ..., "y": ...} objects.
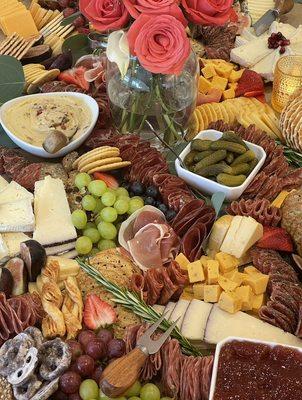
[
  {"x": 219, "y": 82},
  {"x": 246, "y": 295},
  {"x": 188, "y": 289},
  {"x": 182, "y": 260},
  {"x": 219, "y": 231},
  {"x": 187, "y": 296},
  {"x": 226, "y": 284},
  {"x": 212, "y": 271},
  {"x": 228, "y": 94},
  {"x": 230, "y": 302},
  {"x": 228, "y": 242},
  {"x": 226, "y": 262},
  {"x": 280, "y": 199},
  {"x": 195, "y": 271},
  {"x": 204, "y": 260},
  {"x": 233, "y": 85},
  {"x": 250, "y": 270},
  {"x": 212, "y": 293},
  {"x": 237, "y": 277},
  {"x": 235, "y": 75},
  {"x": 258, "y": 301},
  {"x": 204, "y": 85},
  {"x": 198, "y": 290},
  {"x": 224, "y": 70},
  {"x": 208, "y": 71},
  {"x": 257, "y": 282}
]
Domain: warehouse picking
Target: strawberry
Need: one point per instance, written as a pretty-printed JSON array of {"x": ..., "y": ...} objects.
[
  {"x": 276, "y": 239},
  {"x": 110, "y": 180},
  {"x": 98, "y": 313},
  {"x": 250, "y": 81}
]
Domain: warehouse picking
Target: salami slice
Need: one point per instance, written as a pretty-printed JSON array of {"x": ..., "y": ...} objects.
[{"x": 192, "y": 241}]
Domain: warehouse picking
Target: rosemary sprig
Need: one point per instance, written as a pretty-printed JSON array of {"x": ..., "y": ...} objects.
[
  {"x": 293, "y": 157},
  {"x": 133, "y": 303}
]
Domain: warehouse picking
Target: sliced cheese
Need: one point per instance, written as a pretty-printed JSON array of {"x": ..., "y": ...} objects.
[
  {"x": 252, "y": 52},
  {"x": 195, "y": 319},
  {"x": 3, "y": 248},
  {"x": 53, "y": 217},
  {"x": 169, "y": 309},
  {"x": 14, "y": 192},
  {"x": 13, "y": 241},
  {"x": 158, "y": 308},
  {"x": 3, "y": 183},
  {"x": 219, "y": 231},
  {"x": 179, "y": 312},
  {"x": 21, "y": 23},
  {"x": 249, "y": 232},
  {"x": 17, "y": 216},
  {"x": 228, "y": 242}
]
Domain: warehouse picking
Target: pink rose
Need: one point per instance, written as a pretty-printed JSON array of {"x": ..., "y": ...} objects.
[
  {"x": 160, "y": 43},
  {"x": 207, "y": 12},
  {"x": 105, "y": 15},
  {"x": 157, "y": 7}
]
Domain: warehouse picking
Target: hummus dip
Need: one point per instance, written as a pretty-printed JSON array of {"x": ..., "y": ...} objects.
[{"x": 33, "y": 119}]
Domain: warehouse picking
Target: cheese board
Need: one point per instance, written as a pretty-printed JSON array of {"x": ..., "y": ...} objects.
[{"x": 171, "y": 245}]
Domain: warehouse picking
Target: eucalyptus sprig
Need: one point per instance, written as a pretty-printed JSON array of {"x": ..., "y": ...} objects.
[{"x": 132, "y": 302}]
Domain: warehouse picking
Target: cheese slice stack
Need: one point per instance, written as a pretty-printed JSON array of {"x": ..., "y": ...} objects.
[{"x": 40, "y": 15}]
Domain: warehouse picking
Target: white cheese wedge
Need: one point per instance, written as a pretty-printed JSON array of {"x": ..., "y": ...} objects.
[
  {"x": 228, "y": 243},
  {"x": 59, "y": 248},
  {"x": 169, "y": 309},
  {"x": 222, "y": 324},
  {"x": 219, "y": 232},
  {"x": 266, "y": 67},
  {"x": 13, "y": 241},
  {"x": 158, "y": 308},
  {"x": 17, "y": 216},
  {"x": 3, "y": 248},
  {"x": 53, "y": 217},
  {"x": 3, "y": 183},
  {"x": 179, "y": 312},
  {"x": 195, "y": 319},
  {"x": 251, "y": 53},
  {"x": 14, "y": 192},
  {"x": 249, "y": 232}
]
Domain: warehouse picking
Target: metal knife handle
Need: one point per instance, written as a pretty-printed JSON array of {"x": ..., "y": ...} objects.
[{"x": 121, "y": 374}]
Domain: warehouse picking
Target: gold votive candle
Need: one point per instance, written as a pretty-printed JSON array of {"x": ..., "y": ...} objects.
[{"x": 287, "y": 79}]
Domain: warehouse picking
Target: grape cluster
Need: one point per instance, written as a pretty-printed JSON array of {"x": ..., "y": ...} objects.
[
  {"x": 278, "y": 40},
  {"x": 103, "y": 210}
]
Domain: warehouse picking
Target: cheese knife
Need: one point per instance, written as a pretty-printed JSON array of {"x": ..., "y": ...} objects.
[{"x": 281, "y": 7}]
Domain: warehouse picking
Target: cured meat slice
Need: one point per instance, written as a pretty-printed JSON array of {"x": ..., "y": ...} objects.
[{"x": 191, "y": 244}]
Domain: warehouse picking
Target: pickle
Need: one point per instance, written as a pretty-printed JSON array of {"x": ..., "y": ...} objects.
[
  {"x": 244, "y": 158},
  {"x": 240, "y": 169},
  {"x": 201, "y": 145},
  {"x": 201, "y": 155},
  {"x": 230, "y": 157},
  {"x": 229, "y": 146},
  {"x": 214, "y": 158},
  {"x": 252, "y": 165},
  {"x": 233, "y": 137},
  {"x": 215, "y": 169},
  {"x": 231, "y": 180},
  {"x": 189, "y": 158}
]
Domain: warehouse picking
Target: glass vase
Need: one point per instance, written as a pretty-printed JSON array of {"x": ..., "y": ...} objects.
[{"x": 142, "y": 102}]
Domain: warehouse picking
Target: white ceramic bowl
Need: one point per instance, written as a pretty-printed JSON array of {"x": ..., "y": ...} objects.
[
  {"x": 206, "y": 185},
  {"x": 39, "y": 151},
  {"x": 231, "y": 339}
]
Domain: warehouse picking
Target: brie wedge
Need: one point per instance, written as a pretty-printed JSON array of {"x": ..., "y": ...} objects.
[
  {"x": 17, "y": 216},
  {"x": 14, "y": 192}
]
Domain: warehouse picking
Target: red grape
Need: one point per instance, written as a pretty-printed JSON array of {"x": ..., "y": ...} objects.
[
  {"x": 105, "y": 335},
  {"x": 60, "y": 395},
  {"x": 74, "y": 396},
  {"x": 70, "y": 382},
  {"x": 116, "y": 348},
  {"x": 96, "y": 349},
  {"x": 76, "y": 349},
  {"x": 97, "y": 374},
  {"x": 85, "y": 366},
  {"x": 85, "y": 337}
]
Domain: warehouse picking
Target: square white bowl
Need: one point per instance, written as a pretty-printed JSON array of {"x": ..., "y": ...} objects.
[
  {"x": 238, "y": 339},
  {"x": 206, "y": 185},
  {"x": 73, "y": 144}
]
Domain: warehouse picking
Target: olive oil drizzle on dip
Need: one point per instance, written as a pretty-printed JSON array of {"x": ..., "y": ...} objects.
[{"x": 32, "y": 120}]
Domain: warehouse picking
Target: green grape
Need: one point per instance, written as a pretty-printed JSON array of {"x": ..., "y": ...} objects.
[
  {"x": 99, "y": 206},
  {"x": 105, "y": 244},
  {"x": 109, "y": 214},
  {"x": 111, "y": 190},
  {"x": 81, "y": 180},
  {"x": 102, "y": 396},
  {"x": 150, "y": 392},
  {"x": 107, "y": 230},
  {"x": 135, "y": 204},
  {"x": 93, "y": 234},
  {"x": 134, "y": 398},
  {"x": 89, "y": 390},
  {"x": 90, "y": 224},
  {"x": 93, "y": 252},
  {"x": 98, "y": 219},
  {"x": 108, "y": 198},
  {"x": 79, "y": 219},
  {"x": 121, "y": 191},
  {"x": 134, "y": 390},
  {"x": 121, "y": 205},
  {"x": 97, "y": 188},
  {"x": 83, "y": 245},
  {"x": 166, "y": 398},
  {"x": 88, "y": 202}
]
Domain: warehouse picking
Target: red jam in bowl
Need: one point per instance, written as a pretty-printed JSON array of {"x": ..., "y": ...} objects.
[{"x": 255, "y": 371}]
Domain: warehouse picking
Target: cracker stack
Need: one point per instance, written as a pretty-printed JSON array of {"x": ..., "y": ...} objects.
[
  {"x": 103, "y": 158},
  {"x": 291, "y": 121},
  {"x": 36, "y": 75}
]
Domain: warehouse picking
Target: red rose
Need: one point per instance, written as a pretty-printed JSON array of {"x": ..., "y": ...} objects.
[
  {"x": 207, "y": 12},
  {"x": 157, "y": 7},
  {"x": 105, "y": 15},
  {"x": 160, "y": 43}
]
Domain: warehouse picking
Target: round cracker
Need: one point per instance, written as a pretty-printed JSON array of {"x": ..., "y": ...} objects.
[
  {"x": 98, "y": 157},
  {"x": 99, "y": 163},
  {"x": 110, "y": 167},
  {"x": 46, "y": 77},
  {"x": 30, "y": 67},
  {"x": 200, "y": 120},
  {"x": 91, "y": 152}
]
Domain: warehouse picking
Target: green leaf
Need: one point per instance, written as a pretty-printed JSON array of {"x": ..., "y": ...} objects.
[
  {"x": 171, "y": 157},
  {"x": 12, "y": 78},
  {"x": 69, "y": 20},
  {"x": 217, "y": 200},
  {"x": 78, "y": 45}
]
